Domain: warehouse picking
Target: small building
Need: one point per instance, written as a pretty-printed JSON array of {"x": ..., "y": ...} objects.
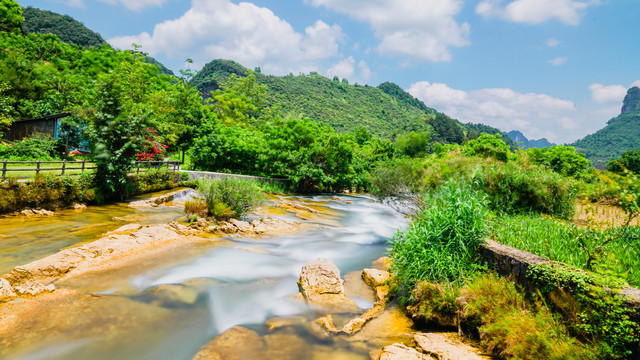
[{"x": 47, "y": 125}]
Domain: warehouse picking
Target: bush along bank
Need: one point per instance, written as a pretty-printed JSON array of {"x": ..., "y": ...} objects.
[
  {"x": 59, "y": 192},
  {"x": 441, "y": 280}
]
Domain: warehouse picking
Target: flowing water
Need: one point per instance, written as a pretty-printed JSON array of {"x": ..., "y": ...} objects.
[{"x": 168, "y": 307}]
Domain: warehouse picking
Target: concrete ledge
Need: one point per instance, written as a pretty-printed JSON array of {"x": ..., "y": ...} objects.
[
  {"x": 195, "y": 175},
  {"x": 515, "y": 263}
]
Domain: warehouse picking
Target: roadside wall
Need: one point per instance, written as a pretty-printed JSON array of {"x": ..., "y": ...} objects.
[
  {"x": 195, "y": 175},
  {"x": 514, "y": 263}
]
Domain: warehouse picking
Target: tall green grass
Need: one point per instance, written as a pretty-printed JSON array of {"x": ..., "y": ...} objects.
[
  {"x": 442, "y": 241},
  {"x": 613, "y": 251}
]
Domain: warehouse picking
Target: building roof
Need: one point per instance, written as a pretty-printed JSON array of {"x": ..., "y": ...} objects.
[{"x": 47, "y": 117}]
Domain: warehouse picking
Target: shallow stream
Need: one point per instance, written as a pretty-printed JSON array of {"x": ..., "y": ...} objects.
[{"x": 169, "y": 307}]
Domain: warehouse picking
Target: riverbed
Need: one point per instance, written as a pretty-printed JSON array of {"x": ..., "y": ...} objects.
[{"x": 168, "y": 306}]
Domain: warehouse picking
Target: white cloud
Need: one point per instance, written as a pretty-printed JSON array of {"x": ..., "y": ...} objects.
[
  {"x": 568, "y": 12},
  {"x": 244, "y": 32},
  {"x": 558, "y": 61},
  {"x": 343, "y": 69},
  {"x": 536, "y": 115},
  {"x": 552, "y": 42},
  {"x": 365, "y": 71},
  {"x": 134, "y": 5},
  {"x": 604, "y": 94},
  {"x": 636, "y": 83},
  {"x": 348, "y": 69},
  {"x": 420, "y": 29}
]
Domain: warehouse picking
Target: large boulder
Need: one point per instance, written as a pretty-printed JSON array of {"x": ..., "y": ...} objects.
[{"x": 320, "y": 284}]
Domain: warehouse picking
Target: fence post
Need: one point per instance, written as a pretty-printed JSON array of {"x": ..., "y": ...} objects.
[
  {"x": 137, "y": 167},
  {"x": 4, "y": 169},
  {"x": 38, "y": 168},
  {"x": 82, "y": 171},
  {"x": 64, "y": 163}
]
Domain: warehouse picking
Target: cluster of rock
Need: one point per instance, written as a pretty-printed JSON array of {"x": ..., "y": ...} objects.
[
  {"x": 430, "y": 346},
  {"x": 256, "y": 227},
  {"x": 322, "y": 287},
  {"x": 154, "y": 201}
]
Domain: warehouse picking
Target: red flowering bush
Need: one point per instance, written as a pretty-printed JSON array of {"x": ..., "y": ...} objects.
[{"x": 153, "y": 150}]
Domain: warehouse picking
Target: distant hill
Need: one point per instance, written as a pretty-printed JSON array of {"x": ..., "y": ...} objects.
[
  {"x": 65, "y": 27},
  {"x": 482, "y": 128},
  {"x": 385, "y": 110},
  {"x": 522, "y": 140},
  {"x": 621, "y": 133}
]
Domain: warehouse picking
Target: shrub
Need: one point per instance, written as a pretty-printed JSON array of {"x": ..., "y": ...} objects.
[
  {"x": 442, "y": 242},
  {"x": 230, "y": 197},
  {"x": 511, "y": 187},
  {"x": 45, "y": 191},
  {"x": 398, "y": 177},
  {"x": 32, "y": 148},
  {"x": 561, "y": 159},
  {"x": 511, "y": 328},
  {"x": 487, "y": 146},
  {"x": 196, "y": 207},
  {"x": 629, "y": 160},
  {"x": 517, "y": 188},
  {"x": 599, "y": 314},
  {"x": 152, "y": 180}
]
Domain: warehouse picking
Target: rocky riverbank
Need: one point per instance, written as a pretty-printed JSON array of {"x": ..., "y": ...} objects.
[{"x": 341, "y": 328}]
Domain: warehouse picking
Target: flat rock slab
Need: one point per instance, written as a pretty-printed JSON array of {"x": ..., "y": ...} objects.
[
  {"x": 401, "y": 352},
  {"x": 447, "y": 346}
]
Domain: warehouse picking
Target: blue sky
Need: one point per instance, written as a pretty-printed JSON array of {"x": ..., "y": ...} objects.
[{"x": 549, "y": 68}]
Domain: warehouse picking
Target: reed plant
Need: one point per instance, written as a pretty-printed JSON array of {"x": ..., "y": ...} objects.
[
  {"x": 230, "y": 197},
  {"x": 441, "y": 243}
]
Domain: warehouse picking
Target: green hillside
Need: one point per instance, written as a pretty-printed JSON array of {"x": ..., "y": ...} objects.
[
  {"x": 386, "y": 110},
  {"x": 70, "y": 31},
  {"x": 621, "y": 133},
  {"x": 65, "y": 27}
]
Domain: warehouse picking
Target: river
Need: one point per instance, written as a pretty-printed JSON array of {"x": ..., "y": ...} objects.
[{"x": 170, "y": 306}]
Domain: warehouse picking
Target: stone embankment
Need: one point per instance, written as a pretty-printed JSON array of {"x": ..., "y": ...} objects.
[{"x": 514, "y": 263}]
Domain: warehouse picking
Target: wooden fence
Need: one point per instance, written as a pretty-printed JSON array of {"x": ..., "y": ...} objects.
[{"x": 71, "y": 168}]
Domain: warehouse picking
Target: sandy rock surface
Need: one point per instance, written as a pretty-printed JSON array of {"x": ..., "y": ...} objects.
[
  {"x": 320, "y": 284},
  {"x": 375, "y": 277},
  {"x": 114, "y": 249},
  {"x": 447, "y": 346}
]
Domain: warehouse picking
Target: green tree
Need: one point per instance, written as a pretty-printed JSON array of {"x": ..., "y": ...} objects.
[
  {"x": 119, "y": 121},
  {"x": 413, "y": 144},
  {"x": 561, "y": 159},
  {"x": 629, "y": 160},
  {"x": 241, "y": 99},
  {"x": 5, "y": 109},
  {"x": 487, "y": 146},
  {"x": 10, "y": 16}
]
